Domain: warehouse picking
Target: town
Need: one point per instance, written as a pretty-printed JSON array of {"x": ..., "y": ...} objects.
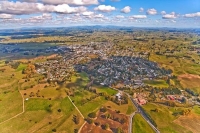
[{"x": 122, "y": 72}]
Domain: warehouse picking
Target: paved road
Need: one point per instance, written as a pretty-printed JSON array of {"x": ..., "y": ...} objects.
[
  {"x": 143, "y": 115},
  {"x": 131, "y": 122},
  {"x": 141, "y": 112}
]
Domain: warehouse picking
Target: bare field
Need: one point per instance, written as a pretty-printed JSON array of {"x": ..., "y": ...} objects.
[
  {"x": 191, "y": 122},
  {"x": 190, "y": 81}
]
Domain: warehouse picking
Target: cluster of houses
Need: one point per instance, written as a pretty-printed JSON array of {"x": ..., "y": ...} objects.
[
  {"x": 61, "y": 67},
  {"x": 129, "y": 71}
]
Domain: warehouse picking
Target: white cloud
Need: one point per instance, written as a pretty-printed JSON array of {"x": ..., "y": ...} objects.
[
  {"x": 105, "y": 8},
  {"x": 71, "y": 2},
  {"x": 152, "y": 11},
  {"x": 163, "y": 12},
  {"x": 18, "y": 7},
  {"x": 40, "y": 18},
  {"x": 172, "y": 13},
  {"x": 141, "y": 9},
  {"x": 99, "y": 16},
  {"x": 138, "y": 16},
  {"x": 6, "y": 16},
  {"x": 169, "y": 16},
  {"x": 21, "y": 8},
  {"x": 64, "y": 8},
  {"x": 87, "y": 13},
  {"x": 126, "y": 9},
  {"x": 119, "y": 16},
  {"x": 192, "y": 15}
]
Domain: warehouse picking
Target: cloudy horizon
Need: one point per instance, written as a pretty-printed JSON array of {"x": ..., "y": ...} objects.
[{"x": 138, "y": 13}]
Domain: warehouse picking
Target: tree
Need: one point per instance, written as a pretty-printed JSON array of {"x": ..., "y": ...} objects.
[
  {"x": 29, "y": 70},
  {"x": 90, "y": 121},
  {"x": 106, "y": 126},
  {"x": 103, "y": 109},
  {"x": 97, "y": 123},
  {"x": 123, "y": 121},
  {"x": 92, "y": 115}
]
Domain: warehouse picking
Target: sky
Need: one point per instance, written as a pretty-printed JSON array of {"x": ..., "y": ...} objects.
[{"x": 64, "y": 13}]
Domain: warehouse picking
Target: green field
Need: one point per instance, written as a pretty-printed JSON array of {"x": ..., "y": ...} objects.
[
  {"x": 196, "y": 110},
  {"x": 38, "y": 111},
  {"x": 157, "y": 83},
  {"x": 10, "y": 105},
  {"x": 21, "y": 67},
  {"x": 164, "y": 118},
  {"x": 140, "y": 125},
  {"x": 125, "y": 109},
  {"x": 37, "y": 117},
  {"x": 106, "y": 90}
]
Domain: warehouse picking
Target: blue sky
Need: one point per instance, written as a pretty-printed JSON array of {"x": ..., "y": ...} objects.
[{"x": 138, "y": 13}]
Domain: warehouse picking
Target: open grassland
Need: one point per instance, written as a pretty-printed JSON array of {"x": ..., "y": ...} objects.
[
  {"x": 41, "y": 114},
  {"x": 90, "y": 106},
  {"x": 165, "y": 117},
  {"x": 10, "y": 98},
  {"x": 54, "y": 97},
  {"x": 39, "y": 117},
  {"x": 6, "y": 78},
  {"x": 177, "y": 65},
  {"x": 107, "y": 90},
  {"x": 10, "y": 105},
  {"x": 157, "y": 83},
  {"x": 140, "y": 125},
  {"x": 125, "y": 109}
]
